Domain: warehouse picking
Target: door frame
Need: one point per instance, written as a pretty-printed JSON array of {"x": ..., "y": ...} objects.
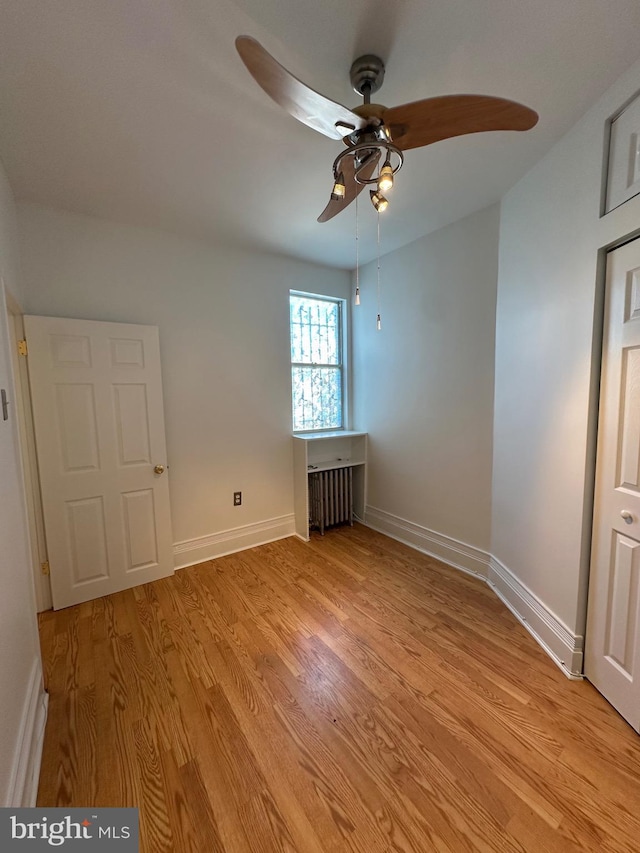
[{"x": 30, "y": 474}]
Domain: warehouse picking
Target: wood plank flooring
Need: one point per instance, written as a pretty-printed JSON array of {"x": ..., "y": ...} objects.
[{"x": 349, "y": 694}]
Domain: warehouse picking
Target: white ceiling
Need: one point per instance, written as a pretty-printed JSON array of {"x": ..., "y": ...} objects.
[{"x": 141, "y": 111}]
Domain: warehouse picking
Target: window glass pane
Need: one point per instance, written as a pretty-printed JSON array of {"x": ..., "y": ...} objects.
[
  {"x": 315, "y": 331},
  {"x": 317, "y": 397}
]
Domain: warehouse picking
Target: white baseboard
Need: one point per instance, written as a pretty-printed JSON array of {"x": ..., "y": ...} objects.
[
  {"x": 451, "y": 551},
  {"x": 203, "y": 548},
  {"x": 25, "y": 774},
  {"x": 562, "y": 646}
]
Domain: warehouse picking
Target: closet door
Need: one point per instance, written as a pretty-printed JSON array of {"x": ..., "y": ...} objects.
[{"x": 612, "y": 653}]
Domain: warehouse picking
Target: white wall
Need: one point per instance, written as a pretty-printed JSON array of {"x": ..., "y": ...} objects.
[
  {"x": 424, "y": 384},
  {"x": 224, "y": 337},
  {"x": 549, "y": 303},
  {"x": 20, "y": 669}
]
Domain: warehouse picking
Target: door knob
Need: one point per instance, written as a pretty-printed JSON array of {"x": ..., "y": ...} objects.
[
  {"x": 159, "y": 469},
  {"x": 628, "y": 517}
]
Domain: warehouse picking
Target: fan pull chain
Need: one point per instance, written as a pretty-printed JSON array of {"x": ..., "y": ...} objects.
[
  {"x": 378, "y": 321},
  {"x": 357, "y": 300}
]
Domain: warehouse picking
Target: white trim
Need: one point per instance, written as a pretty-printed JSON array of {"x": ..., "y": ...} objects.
[
  {"x": 563, "y": 647},
  {"x": 458, "y": 554},
  {"x": 25, "y": 774},
  {"x": 203, "y": 548}
]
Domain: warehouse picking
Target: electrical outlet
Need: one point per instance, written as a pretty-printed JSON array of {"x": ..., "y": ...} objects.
[{"x": 237, "y": 498}]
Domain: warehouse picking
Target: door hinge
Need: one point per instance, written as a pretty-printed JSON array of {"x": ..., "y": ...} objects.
[
  {"x": 22, "y": 348},
  {"x": 45, "y": 568}
]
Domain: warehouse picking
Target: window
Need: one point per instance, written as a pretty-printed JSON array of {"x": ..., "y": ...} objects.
[{"x": 317, "y": 379}]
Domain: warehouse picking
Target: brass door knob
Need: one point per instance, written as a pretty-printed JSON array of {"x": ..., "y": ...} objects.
[{"x": 159, "y": 469}]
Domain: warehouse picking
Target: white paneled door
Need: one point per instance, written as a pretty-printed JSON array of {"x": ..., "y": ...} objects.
[
  {"x": 612, "y": 659},
  {"x": 99, "y": 424}
]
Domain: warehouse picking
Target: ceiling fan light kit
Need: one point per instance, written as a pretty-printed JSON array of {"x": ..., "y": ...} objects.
[
  {"x": 338, "y": 191},
  {"x": 378, "y": 201},
  {"x": 359, "y": 154},
  {"x": 385, "y": 178}
]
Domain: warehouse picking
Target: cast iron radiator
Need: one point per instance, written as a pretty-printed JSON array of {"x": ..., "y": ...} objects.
[{"x": 330, "y": 498}]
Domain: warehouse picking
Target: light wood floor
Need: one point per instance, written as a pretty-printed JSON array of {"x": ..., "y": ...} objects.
[{"x": 345, "y": 695}]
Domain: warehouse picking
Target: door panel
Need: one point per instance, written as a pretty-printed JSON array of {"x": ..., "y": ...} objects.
[
  {"x": 612, "y": 654},
  {"x": 70, "y": 351},
  {"x": 99, "y": 424},
  {"x": 629, "y": 435},
  {"x": 622, "y": 605},
  {"x": 87, "y": 532},
  {"x": 77, "y": 427},
  {"x": 139, "y": 516},
  {"x": 131, "y": 412}
]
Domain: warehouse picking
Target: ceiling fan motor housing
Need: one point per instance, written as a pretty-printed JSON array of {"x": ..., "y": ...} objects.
[{"x": 367, "y": 74}]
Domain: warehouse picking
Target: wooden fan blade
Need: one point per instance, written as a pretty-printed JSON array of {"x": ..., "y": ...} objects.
[
  {"x": 432, "y": 119},
  {"x": 303, "y": 103},
  {"x": 352, "y": 187}
]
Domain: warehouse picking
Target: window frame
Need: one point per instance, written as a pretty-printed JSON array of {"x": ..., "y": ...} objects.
[{"x": 342, "y": 365}]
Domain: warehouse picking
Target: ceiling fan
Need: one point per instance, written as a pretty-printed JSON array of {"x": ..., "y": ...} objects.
[{"x": 371, "y": 130}]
